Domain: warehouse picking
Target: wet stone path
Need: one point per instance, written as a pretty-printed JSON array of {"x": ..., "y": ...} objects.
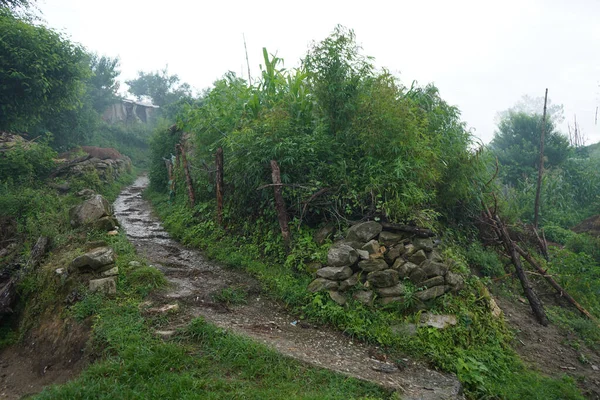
[{"x": 196, "y": 280}]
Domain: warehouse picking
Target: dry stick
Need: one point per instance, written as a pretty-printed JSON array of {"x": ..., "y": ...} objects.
[
  {"x": 554, "y": 284},
  {"x": 511, "y": 249},
  {"x": 541, "y": 167},
  {"x": 169, "y": 166},
  {"x": 219, "y": 166},
  {"x": 280, "y": 204},
  {"x": 188, "y": 178}
]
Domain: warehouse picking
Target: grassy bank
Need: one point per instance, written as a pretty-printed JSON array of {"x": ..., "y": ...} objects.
[
  {"x": 200, "y": 362},
  {"x": 477, "y": 349}
]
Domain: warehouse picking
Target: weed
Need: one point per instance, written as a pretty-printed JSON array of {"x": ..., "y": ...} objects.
[{"x": 231, "y": 296}]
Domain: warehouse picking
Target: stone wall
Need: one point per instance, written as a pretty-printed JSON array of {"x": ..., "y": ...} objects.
[{"x": 373, "y": 265}]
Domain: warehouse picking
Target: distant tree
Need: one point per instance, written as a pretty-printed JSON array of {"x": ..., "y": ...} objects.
[
  {"x": 103, "y": 84},
  {"x": 41, "y": 73},
  {"x": 534, "y": 105},
  {"x": 516, "y": 143},
  {"x": 160, "y": 87}
]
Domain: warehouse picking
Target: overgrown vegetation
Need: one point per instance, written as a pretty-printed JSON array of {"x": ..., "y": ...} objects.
[{"x": 352, "y": 142}]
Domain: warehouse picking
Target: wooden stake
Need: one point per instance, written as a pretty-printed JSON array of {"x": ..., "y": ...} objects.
[
  {"x": 279, "y": 203},
  {"x": 219, "y": 166},
  {"x": 540, "y": 167},
  {"x": 188, "y": 178}
]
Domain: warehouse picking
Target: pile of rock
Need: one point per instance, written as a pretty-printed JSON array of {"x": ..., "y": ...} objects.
[
  {"x": 108, "y": 163},
  {"x": 379, "y": 262},
  {"x": 99, "y": 264}
]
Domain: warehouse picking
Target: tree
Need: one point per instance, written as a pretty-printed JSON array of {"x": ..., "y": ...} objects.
[
  {"x": 516, "y": 144},
  {"x": 41, "y": 73},
  {"x": 533, "y": 105},
  {"x": 103, "y": 84},
  {"x": 160, "y": 87}
]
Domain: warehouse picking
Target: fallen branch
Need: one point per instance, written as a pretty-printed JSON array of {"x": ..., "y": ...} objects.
[
  {"x": 554, "y": 284},
  {"x": 420, "y": 232}
]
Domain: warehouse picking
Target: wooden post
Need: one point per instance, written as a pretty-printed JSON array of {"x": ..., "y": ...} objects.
[
  {"x": 188, "y": 178},
  {"x": 540, "y": 167},
  {"x": 279, "y": 203},
  {"x": 219, "y": 166},
  {"x": 171, "y": 176}
]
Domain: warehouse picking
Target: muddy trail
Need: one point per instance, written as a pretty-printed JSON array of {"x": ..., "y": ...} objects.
[{"x": 195, "y": 281}]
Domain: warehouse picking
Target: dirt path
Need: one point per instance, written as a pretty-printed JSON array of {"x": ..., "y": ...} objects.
[
  {"x": 195, "y": 281},
  {"x": 550, "y": 350}
]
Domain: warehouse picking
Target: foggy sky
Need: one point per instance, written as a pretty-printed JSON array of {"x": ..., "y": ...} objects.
[{"x": 483, "y": 56}]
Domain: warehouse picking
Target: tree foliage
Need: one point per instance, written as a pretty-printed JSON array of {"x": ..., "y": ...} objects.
[
  {"x": 516, "y": 143},
  {"x": 41, "y": 73},
  {"x": 159, "y": 86},
  {"x": 350, "y": 141},
  {"x": 103, "y": 84}
]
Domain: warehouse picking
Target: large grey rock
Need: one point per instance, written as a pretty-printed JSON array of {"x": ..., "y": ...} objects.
[
  {"x": 431, "y": 282},
  {"x": 364, "y": 231},
  {"x": 321, "y": 284},
  {"x": 404, "y": 268},
  {"x": 389, "y": 300},
  {"x": 435, "y": 257},
  {"x": 423, "y": 244},
  {"x": 455, "y": 281},
  {"x": 390, "y": 238},
  {"x": 323, "y": 233},
  {"x": 352, "y": 243},
  {"x": 341, "y": 255},
  {"x": 417, "y": 276},
  {"x": 431, "y": 293},
  {"x": 104, "y": 285},
  {"x": 335, "y": 273},
  {"x": 418, "y": 257},
  {"x": 431, "y": 269},
  {"x": 438, "y": 321},
  {"x": 382, "y": 279},
  {"x": 337, "y": 297},
  {"x": 392, "y": 291},
  {"x": 111, "y": 272},
  {"x": 95, "y": 259},
  {"x": 372, "y": 247},
  {"x": 393, "y": 253},
  {"x": 377, "y": 264},
  {"x": 106, "y": 223},
  {"x": 89, "y": 211},
  {"x": 313, "y": 267},
  {"x": 363, "y": 254},
  {"x": 348, "y": 283},
  {"x": 363, "y": 296}
]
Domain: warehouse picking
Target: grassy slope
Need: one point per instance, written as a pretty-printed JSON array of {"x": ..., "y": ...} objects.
[{"x": 202, "y": 362}]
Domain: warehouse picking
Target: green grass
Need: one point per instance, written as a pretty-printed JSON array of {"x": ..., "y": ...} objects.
[
  {"x": 201, "y": 362},
  {"x": 477, "y": 349}
]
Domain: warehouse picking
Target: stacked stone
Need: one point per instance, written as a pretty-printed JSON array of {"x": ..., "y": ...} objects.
[
  {"x": 100, "y": 262},
  {"x": 380, "y": 260}
]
